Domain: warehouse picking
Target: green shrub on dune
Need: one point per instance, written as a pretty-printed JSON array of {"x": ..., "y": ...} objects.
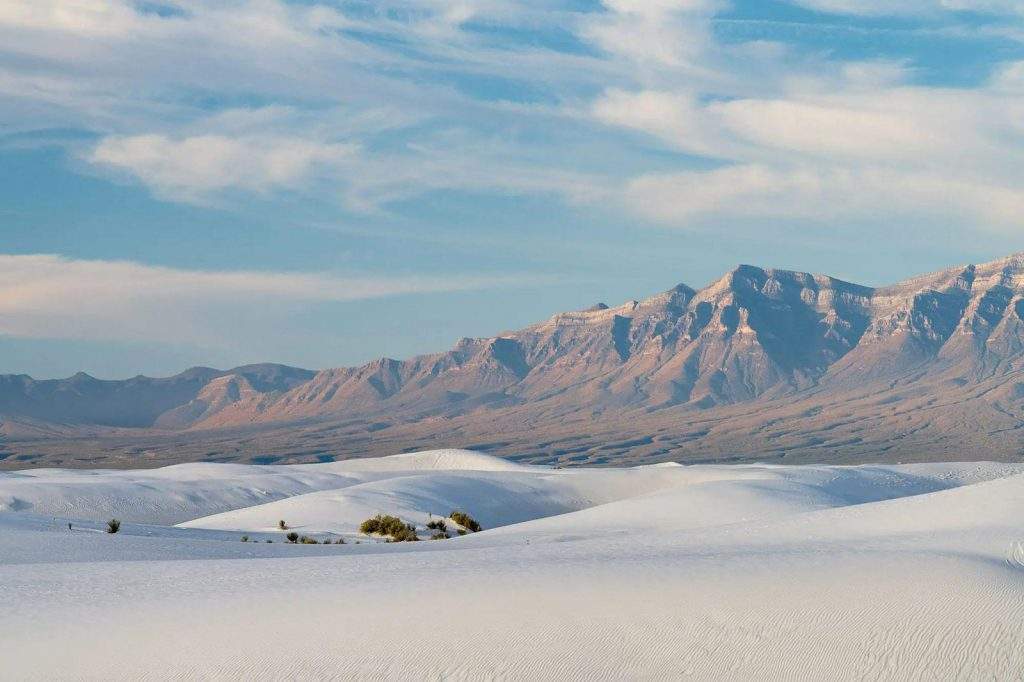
[
  {"x": 466, "y": 521},
  {"x": 390, "y": 526}
]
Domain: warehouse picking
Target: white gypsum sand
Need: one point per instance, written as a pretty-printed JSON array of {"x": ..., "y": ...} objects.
[{"x": 717, "y": 572}]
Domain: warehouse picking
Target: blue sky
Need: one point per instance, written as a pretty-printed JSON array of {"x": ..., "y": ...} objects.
[{"x": 322, "y": 183}]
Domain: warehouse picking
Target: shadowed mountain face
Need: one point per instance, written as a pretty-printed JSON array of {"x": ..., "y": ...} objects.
[
  {"x": 760, "y": 364},
  {"x": 140, "y": 401}
]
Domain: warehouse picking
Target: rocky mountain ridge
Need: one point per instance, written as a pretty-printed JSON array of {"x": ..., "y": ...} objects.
[{"x": 751, "y": 342}]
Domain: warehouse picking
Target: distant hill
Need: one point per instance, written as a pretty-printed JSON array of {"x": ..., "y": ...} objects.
[
  {"x": 762, "y": 364},
  {"x": 141, "y": 401}
]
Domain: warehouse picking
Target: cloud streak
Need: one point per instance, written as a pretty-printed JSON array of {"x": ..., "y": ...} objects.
[
  {"x": 374, "y": 107},
  {"x": 192, "y": 167},
  {"x": 859, "y": 145},
  {"x": 48, "y": 296}
]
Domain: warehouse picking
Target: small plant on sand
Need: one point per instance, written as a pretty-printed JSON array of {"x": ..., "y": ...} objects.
[
  {"x": 268, "y": 541},
  {"x": 282, "y": 525},
  {"x": 113, "y": 525},
  {"x": 391, "y": 526},
  {"x": 340, "y": 541},
  {"x": 292, "y": 537},
  {"x": 407, "y": 534},
  {"x": 466, "y": 521},
  {"x": 439, "y": 536},
  {"x": 245, "y": 538},
  {"x": 306, "y": 540}
]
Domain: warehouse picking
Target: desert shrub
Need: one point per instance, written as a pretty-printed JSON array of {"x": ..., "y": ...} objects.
[
  {"x": 292, "y": 537},
  {"x": 392, "y": 526},
  {"x": 306, "y": 540},
  {"x": 437, "y": 525},
  {"x": 245, "y": 538},
  {"x": 381, "y": 525},
  {"x": 113, "y": 525},
  {"x": 282, "y": 525},
  {"x": 466, "y": 521},
  {"x": 406, "y": 534}
]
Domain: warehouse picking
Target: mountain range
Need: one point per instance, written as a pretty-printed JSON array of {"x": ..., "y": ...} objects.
[{"x": 760, "y": 365}]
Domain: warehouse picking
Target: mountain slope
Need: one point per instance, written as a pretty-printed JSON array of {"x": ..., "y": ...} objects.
[
  {"x": 754, "y": 334},
  {"x": 761, "y": 363},
  {"x": 136, "y": 402}
]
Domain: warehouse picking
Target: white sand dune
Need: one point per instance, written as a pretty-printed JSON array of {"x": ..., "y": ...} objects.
[
  {"x": 186, "y": 491},
  {"x": 704, "y": 572}
]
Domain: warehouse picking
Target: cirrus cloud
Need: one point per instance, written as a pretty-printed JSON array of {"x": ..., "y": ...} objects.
[
  {"x": 823, "y": 153},
  {"x": 191, "y": 167},
  {"x": 49, "y": 296},
  {"x": 823, "y": 194},
  {"x": 379, "y": 106}
]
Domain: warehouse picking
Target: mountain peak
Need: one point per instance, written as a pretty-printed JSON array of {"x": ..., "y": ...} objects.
[
  {"x": 1012, "y": 264},
  {"x": 765, "y": 335}
]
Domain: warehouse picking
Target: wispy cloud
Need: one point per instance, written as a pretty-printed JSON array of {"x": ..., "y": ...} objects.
[
  {"x": 668, "y": 33},
  {"x": 822, "y": 194},
  {"x": 911, "y": 7},
  {"x": 857, "y": 144},
  {"x": 193, "y": 167},
  {"x": 48, "y": 296},
  {"x": 377, "y": 104}
]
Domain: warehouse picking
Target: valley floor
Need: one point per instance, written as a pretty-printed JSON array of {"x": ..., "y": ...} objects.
[{"x": 704, "y": 572}]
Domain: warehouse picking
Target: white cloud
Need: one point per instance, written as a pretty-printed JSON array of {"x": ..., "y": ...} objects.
[
  {"x": 48, "y": 296},
  {"x": 268, "y": 20},
  {"x": 875, "y": 74},
  {"x": 824, "y": 194},
  {"x": 382, "y": 120},
  {"x": 836, "y": 130},
  {"x": 84, "y": 17},
  {"x": 1009, "y": 78},
  {"x": 198, "y": 168},
  {"x": 873, "y": 123},
  {"x": 824, "y": 153},
  {"x": 192, "y": 167},
  {"x": 911, "y": 7},
  {"x": 662, "y": 32},
  {"x": 675, "y": 117}
]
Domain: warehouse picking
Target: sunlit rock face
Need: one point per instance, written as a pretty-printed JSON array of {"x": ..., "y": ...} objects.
[{"x": 760, "y": 363}]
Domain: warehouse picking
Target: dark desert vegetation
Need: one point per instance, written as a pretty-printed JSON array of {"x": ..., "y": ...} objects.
[
  {"x": 466, "y": 521},
  {"x": 391, "y": 527},
  {"x": 397, "y": 530}
]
